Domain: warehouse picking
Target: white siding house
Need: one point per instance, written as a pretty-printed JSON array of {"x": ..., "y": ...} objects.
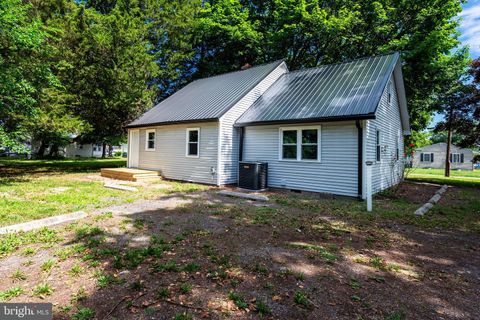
[
  {"x": 434, "y": 156},
  {"x": 315, "y": 128}
]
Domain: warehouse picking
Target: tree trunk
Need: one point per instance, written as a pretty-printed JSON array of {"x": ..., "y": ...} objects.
[
  {"x": 104, "y": 147},
  {"x": 41, "y": 150}
]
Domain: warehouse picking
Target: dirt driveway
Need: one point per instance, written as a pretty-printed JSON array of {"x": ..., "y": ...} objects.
[{"x": 202, "y": 255}]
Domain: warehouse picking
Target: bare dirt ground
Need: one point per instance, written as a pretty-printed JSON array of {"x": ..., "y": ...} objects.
[{"x": 300, "y": 256}]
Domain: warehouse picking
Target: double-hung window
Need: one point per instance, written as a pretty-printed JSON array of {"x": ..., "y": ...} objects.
[
  {"x": 378, "y": 146},
  {"x": 150, "y": 140},
  {"x": 300, "y": 143},
  {"x": 456, "y": 158},
  {"x": 193, "y": 141},
  {"x": 426, "y": 157}
]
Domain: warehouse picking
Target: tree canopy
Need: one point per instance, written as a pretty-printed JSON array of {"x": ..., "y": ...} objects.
[{"x": 95, "y": 65}]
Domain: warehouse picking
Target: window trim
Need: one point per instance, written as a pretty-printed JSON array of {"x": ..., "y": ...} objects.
[
  {"x": 147, "y": 132},
  {"x": 378, "y": 145},
  {"x": 459, "y": 157},
  {"x": 299, "y": 143},
  {"x": 187, "y": 137}
]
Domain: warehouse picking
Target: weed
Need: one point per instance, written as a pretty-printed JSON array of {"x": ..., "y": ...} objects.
[
  {"x": 170, "y": 266},
  {"x": 238, "y": 300},
  {"x": 137, "y": 285},
  {"x": 377, "y": 263},
  {"x": 261, "y": 268},
  {"x": 262, "y": 308},
  {"x": 139, "y": 224},
  {"x": 183, "y": 316},
  {"x": 80, "y": 295},
  {"x": 324, "y": 253},
  {"x": 84, "y": 314},
  {"x": 263, "y": 215},
  {"x": 48, "y": 265},
  {"x": 300, "y": 276},
  {"x": 104, "y": 280},
  {"x": 301, "y": 299},
  {"x": 29, "y": 251},
  {"x": 163, "y": 293},
  {"x": 19, "y": 275},
  {"x": 268, "y": 285},
  {"x": 43, "y": 289},
  {"x": 186, "y": 288},
  {"x": 354, "y": 284},
  {"x": 10, "y": 293},
  {"x": 356, "y": 298},
  {"x": 87, "y": 231},
  {"x": 75, "y": 270},
  {"x": 191, "y": 267},
  {"x": 103, "y": 216}
]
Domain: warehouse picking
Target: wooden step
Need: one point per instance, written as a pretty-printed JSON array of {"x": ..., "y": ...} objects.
[{"x": 129, "y": 174}]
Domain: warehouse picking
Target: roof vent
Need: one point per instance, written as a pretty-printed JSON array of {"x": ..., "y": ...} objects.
[{"x": 246, "y": 66}]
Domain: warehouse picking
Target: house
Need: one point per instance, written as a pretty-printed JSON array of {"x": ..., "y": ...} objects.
[
  {"x": 78, "y": 150},
  {"x": 316, "y": 128},
  {"x": 434, "y": 156}
]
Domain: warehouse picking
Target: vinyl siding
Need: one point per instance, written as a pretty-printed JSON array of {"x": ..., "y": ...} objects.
[
  {"x": 388, "y": 171},
  {"x": 439, "y": 151},
  {"x": 170, "y": 149},
  {"x": 229, "y": 136},
  {"x": 336, "y": 173}
]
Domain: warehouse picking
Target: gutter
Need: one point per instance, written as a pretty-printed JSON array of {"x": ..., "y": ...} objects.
[{"x": 309, "y": 120}]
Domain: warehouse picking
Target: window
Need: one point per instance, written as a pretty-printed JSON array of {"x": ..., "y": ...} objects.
[
  {"x": 193, "y": 138},
  {"x": 150, "y": 140},
  {"x": 456, "y": 158},
  {"x": 426, "y": 157},
  {"x": 389, "y": 93},
  {"x": 378, "y": 146},
  {"x": 300, "y": 144}
]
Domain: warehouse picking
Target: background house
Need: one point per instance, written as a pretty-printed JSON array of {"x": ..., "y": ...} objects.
[
  {"x": 434, "y": 156},
  {"x": 315, "y": 128}
]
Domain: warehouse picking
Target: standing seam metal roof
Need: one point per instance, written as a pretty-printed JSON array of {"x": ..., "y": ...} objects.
[
  {"x": 205, "y": 99},
  {"x": 337, "y": 91}
]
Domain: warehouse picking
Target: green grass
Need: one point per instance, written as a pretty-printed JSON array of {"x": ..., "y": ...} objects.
[
  {"x": 10, "y": 293},
  {"x": 35, "y": 189},
  {"x": 86, "y": 164},
  {"x": 462, "y": 214},
  {"x": 463, "y": 178}
]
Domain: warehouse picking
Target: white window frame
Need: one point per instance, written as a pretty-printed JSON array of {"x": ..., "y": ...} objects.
[
  {"x": 459, "y": 157},
  {"x": 299, "y": 143},
  {"x": 187, "y": 137},
  {"x": 378, "y": 145},
  {"x": 147, "y": 132},
  {"x": 429, "y": 157}
]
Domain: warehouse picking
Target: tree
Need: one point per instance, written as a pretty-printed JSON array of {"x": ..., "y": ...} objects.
[
  {"x": 308, "y": 33},
  {"x": 458, "y": 104},
  {"x": 24, "y": 68},
  {"x": 112, "y": 69}
]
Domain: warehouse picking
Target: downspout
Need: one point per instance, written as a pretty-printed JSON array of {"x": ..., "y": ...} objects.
[
  {"x": 360, "y": 158},
  {"x": 240, "y": 146}
]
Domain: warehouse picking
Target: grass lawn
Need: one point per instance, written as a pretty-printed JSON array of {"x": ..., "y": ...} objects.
[
  {"x": 34, "y": 189},
  {"x": 457, "y": 177},
  {"x": 189, "y": 255}
]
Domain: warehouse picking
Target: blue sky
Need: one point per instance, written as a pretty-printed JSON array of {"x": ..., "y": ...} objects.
[
  {"x": 470, "y": 35},
  {"x": 470, "y": 26}
]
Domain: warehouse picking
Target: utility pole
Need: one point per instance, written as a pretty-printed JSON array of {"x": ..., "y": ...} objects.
[{"x": 449, "y": 142}]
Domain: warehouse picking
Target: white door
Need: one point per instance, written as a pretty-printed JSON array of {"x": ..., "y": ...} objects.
[{"x": 133, "y": 148}]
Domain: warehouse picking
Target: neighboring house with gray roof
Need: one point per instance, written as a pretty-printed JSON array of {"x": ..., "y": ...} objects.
[
  {"x": 315, "y": 128},
  {"x": 435, "y": 156}
]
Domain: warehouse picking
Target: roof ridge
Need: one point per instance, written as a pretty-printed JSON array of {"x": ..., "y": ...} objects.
[
  {"x": 347, "y": 62},
  {"x": 279, "y": 61}
]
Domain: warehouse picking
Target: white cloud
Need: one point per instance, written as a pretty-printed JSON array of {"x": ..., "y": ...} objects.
[{"x": 470, "y": 28}]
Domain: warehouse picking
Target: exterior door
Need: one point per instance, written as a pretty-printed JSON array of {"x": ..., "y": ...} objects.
[{"x": 133, "y": 148}]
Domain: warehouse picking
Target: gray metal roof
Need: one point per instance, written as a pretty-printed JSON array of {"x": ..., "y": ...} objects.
[
  {"x": 205, "y": 99},
  {"x": 339, "y": 91}
]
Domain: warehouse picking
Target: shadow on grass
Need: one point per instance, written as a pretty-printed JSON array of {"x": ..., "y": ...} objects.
[{"x": 216, "y": 257}]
